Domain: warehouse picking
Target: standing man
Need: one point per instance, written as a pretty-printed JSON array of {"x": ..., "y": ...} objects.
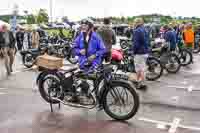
[
  {"x": 7, "y": 43},
  {"x": 19, "y": 38},
  {"x": 108, "y": 36},
  {"x": 170, "y": 37},
  {"x": 140, "y": 50},
  {"x": 27, "y": 39},
  {"x": 90, "y": 49},
  {"x": 35, "y": 39},
  {"x": 189, "y": 37}
]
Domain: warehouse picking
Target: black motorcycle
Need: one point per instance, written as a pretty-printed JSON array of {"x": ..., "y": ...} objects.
[
  {"x": 78, "y": 89},
  {"x": 170, "y": 60},
  {"x": 63, "y": 49},
  {"x": 29, "y": 56}
]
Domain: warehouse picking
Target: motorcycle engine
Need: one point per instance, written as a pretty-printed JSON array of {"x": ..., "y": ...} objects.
[
  {"x": 84, "y": 94},
  {"x": 84, "y": 86}
]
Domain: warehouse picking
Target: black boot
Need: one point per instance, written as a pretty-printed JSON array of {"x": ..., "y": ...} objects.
[{"x": 141, "y": 86}]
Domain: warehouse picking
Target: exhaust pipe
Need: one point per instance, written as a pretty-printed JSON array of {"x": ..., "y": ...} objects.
[{"x": 74, "y": 105}]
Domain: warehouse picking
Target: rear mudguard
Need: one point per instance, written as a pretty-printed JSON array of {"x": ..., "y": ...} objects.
[
  {"x": 45, "y": 73},
  {"x": 40, "y": 76},
  {"x": 34, "y": 54}
]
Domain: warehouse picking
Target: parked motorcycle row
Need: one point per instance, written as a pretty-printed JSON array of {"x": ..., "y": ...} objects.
[
  {"x": 105, "y": 88},
  {"x": 160, "y": 58},
  {"x": 60, "y": 48}
]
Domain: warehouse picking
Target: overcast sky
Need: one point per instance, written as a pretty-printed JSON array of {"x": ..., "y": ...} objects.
[{"x": 77, "y": 9}]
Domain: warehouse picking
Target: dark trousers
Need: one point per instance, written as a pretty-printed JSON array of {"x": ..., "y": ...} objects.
[
  {"x": 19, "y": 45},
  {"x": 108, "y": 56}
]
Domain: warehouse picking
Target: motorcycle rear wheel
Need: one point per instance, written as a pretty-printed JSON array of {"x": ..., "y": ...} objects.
[
  {"x": 153, "y": 62},
  {"x": 54, "y": 89},
  {"x": 173, "y": 57},
  {"x": 25, "y": 59}
]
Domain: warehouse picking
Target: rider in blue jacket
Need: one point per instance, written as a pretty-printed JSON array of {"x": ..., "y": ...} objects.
[{"x": 89, "y": 47}]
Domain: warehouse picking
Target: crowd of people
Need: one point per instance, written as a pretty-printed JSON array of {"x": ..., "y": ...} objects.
[
  {"x": 93, "y": 46},
  {"x": 25, "y": 39}
]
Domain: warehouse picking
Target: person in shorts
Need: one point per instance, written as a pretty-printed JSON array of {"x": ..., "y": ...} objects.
[{"x": 140, "y": 50}]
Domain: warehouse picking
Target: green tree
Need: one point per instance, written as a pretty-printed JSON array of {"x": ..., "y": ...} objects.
[
  {"x": 42, "y": 16},
  {"x": 31, "y": 19},
  {"x": 6, "y": 18}
]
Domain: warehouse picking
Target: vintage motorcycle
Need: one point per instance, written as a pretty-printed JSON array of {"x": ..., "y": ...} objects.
[
  {"x": 29, "y": 56},
  {"x": 117, "y": 97},
  {"x": 63, "y": 49},
  {"x": 170, "y": 60},
  {"x": 124, "y": 60}
]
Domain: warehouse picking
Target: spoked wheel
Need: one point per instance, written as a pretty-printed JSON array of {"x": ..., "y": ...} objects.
[
  {"x": 121, "y": 101},
  {"x": 185, "y": 57},
  {"x": 51, "y": 85},
  {"x": 124, "y": 44},
  {"x": 154, "y": 69},
  {"x": 28, "y": 60},
  {"x": 173, "y": 64}
]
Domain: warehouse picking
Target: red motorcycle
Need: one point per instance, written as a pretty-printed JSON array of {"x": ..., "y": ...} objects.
[{"x": 124, "y": 60}]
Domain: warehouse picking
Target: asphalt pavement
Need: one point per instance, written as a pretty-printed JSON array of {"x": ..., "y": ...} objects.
[{"x": 173, "y": 96}]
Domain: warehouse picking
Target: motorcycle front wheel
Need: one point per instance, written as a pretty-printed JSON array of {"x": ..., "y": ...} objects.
[
  {"x": 120, "y": 101},
  {"x": 173, "y": 64},
  {"x": 185, "y": 57},
  {"x": 154, "y": 69}
]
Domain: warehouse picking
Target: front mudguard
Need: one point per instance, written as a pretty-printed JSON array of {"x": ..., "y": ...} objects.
[
  {"x": 112, "y": 82},
  {"x": 24, "y": 52}
]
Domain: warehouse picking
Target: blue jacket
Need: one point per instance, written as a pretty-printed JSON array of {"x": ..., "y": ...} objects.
[
  {"x": 95, "y": 47},
  {"x": 140, "y": 40},
  {"x": 170, "y": 36}
]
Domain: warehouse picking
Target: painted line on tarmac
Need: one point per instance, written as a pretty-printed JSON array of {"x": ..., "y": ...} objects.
[
  {"x": 1, "y": 93},
  {"x": 190, "y": 88},
  {"x": 174, "y": 126},
  {"x": 191, "y": 72},
  {"x": 3, "y": 88},
  {"x": 176, "y": 121}
]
